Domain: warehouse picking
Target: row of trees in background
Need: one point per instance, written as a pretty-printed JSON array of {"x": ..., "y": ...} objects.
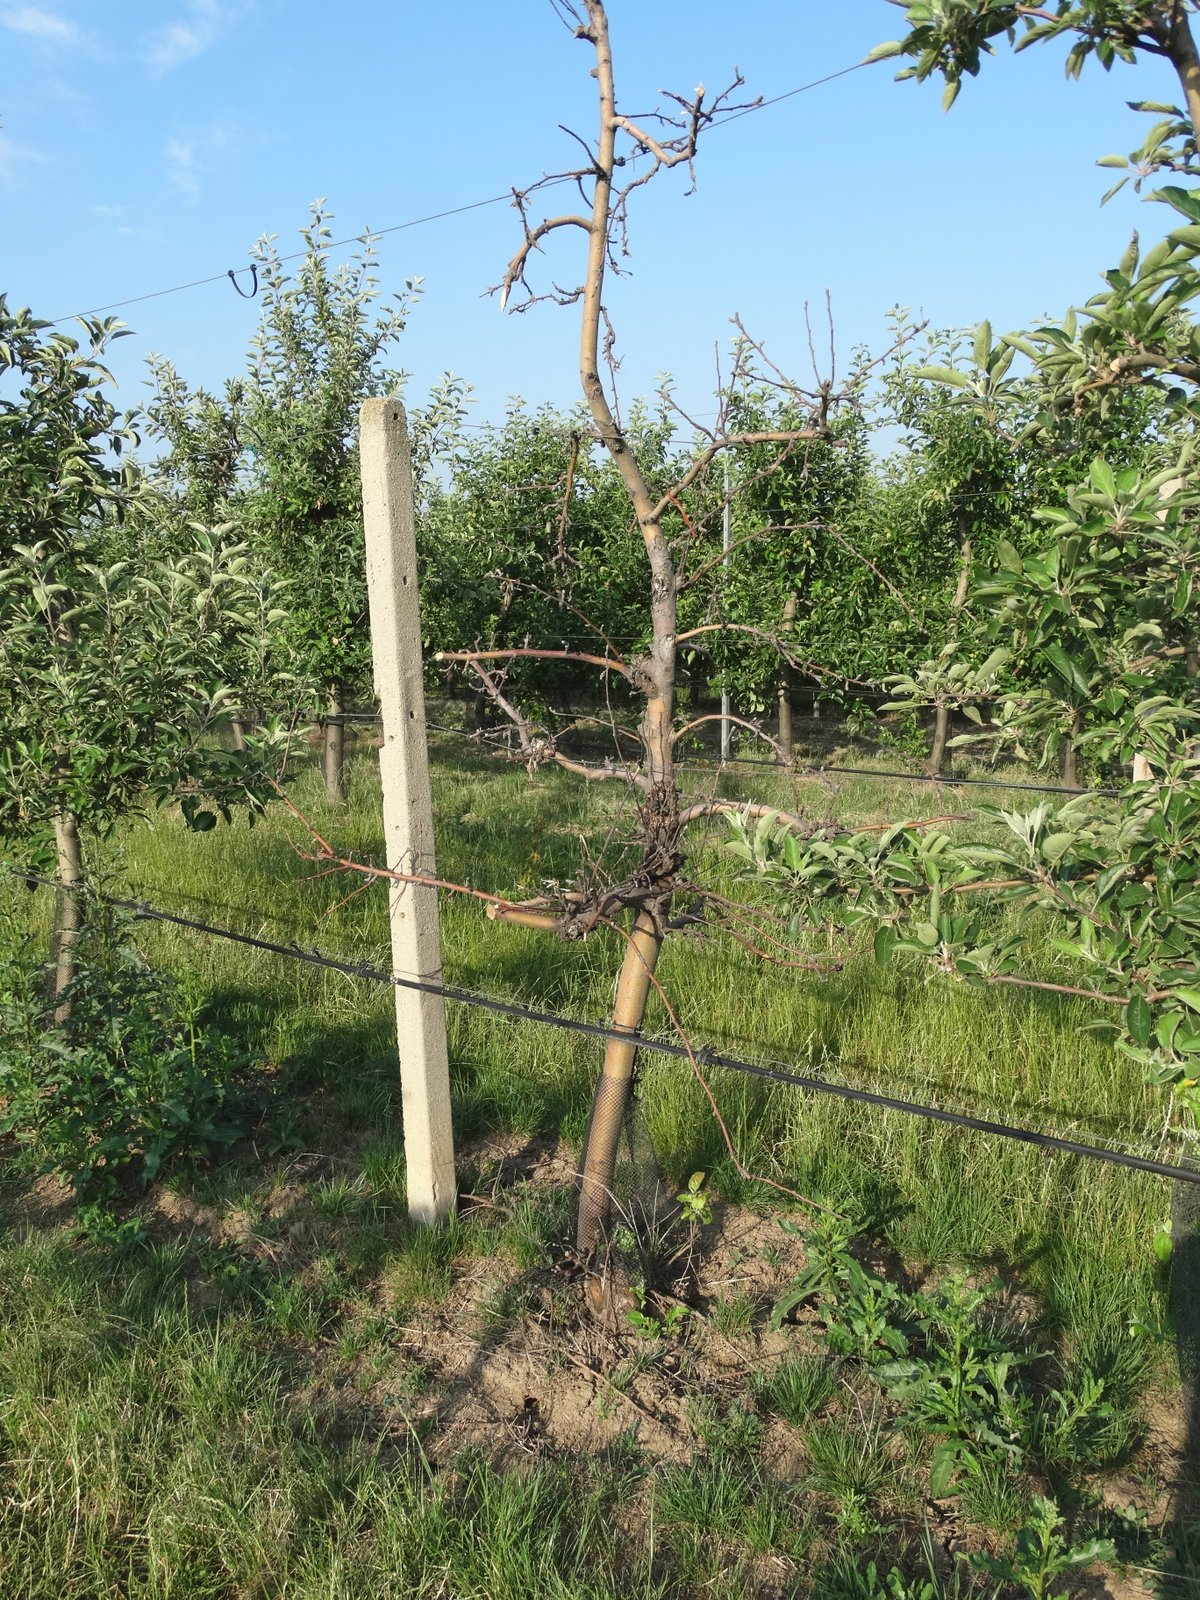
[
  {"x": 1093, "y": 628},
  {"x": 858, "y": 564}
]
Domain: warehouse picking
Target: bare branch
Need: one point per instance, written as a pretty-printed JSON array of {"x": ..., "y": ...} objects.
[
  {"x": 515, "y": 272},
  {"x": 539, "y": 748},
  {"x": 753, "y": 727},
  {"x": 606, "y": 662},
  {"x": 731, "y": 441},
  {"x": 748, "y": 808},
  {"x": 736, "y": 544},
  {"x": 800, "y": 663}
]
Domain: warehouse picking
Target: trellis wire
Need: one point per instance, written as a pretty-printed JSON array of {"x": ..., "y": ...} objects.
[{"x": 705, "y": 1056}]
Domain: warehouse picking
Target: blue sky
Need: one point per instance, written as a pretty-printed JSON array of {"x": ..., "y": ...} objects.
[{"x": 146, "y": 143}]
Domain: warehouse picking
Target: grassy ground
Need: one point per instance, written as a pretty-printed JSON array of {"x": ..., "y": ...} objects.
[{"x": 273, "y": 1385}]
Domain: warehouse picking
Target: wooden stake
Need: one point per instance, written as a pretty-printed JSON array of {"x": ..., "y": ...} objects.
[{"x": 407, "y": 805}]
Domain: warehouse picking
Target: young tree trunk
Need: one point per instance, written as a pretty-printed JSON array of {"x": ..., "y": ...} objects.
[
  {"x": 1070, "y": 756},
  {"x": 655, "y": 677},
  {"x": 941, "y": 724},
  {"x": 786, "y": 738},
  {"x": 941, "y": 734},
  {"x": 333, "y": 746},
  {"x": 612, "y": 1091},
  {"x": 784, "y": 692},
  {"x": 237, "y": 726},
  {"x": 68, "y": 911}
]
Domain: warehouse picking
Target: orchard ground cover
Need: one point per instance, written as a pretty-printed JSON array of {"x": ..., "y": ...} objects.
[{"x": 259, "y": 1378}]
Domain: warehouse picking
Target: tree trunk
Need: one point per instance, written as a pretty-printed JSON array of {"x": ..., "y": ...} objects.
[
  {"x": 237, "y": 726},
  {"x": 787, "y": 740},
  {"x": 612, "y": 1091},
  {"x": 941, "y": 735},
  {"x": 333, "y": 746},
  {"x": 1181, "y": 52},
  {"x": 658, "y": 813},
  {"x": 68, "y": 911},
  {"x": 941, "y": 725},
  {"x": 784, "y": 691},
  {"x": 1069, "y": 757}
]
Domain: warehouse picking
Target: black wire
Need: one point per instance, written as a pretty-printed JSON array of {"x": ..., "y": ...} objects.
[
  {"x": 803, "y": 770},
  {"x": 436, "y": 216},
  {"x": 720, "y": 119},
  {"x": 705, "y": 1056},
  {"x": 295, "y": 255}
]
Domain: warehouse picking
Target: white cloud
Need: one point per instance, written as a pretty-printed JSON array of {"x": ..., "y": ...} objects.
[
  {"x": 14, "y": 158},
  {"x": 181, "y": 165},
  {"x": 196, "y": 152},
  {"x": 191, "y": 36},
  {"x": 45, "y": 25},
  {"x": 108, "y": 211}
]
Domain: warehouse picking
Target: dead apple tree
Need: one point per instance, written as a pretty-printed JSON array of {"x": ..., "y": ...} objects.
[{"x": 622, "y": 158}]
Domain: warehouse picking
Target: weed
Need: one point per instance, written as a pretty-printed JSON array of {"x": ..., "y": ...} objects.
[
  {"x": 722, "y": 1500},
  {"x": 655, "y": 1324},
  {"x": 339, "y": 1198},
  {"x": 846, "y": 1578},
  {"x": 995, "y": 1497},
  {"x": 1042, "y": 1554}
]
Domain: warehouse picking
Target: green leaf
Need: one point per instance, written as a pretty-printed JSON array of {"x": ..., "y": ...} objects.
[
  {"x": 1006, "y": 555},
  {"x": 942, "y": 1468},
  {"x": 1102, "y": 478},
  {"x": 1065, "y": 667},
  {"x": 884, "y": 52},
  {"x": 1182, "y": 200},
  {"x": 957, "y": 380},
  {"x": 885, "y": 944},
  {"x": 1056, "y": 845},
  {"x": 1139, "y": 1019}
]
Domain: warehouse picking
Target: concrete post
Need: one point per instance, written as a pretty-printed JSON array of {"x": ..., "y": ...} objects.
[{"x": 407, "y": 805}]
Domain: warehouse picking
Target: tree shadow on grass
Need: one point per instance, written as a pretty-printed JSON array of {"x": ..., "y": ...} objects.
[{"x": 1183, "y": 1568}]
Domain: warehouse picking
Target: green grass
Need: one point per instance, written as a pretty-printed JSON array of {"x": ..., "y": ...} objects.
[
  {"x": 938, "y": 1195},
  {"x": 234, "y": 1410},
  {"x": 798, "y": 1388}
]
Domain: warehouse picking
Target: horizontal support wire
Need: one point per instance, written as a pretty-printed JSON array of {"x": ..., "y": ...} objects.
[
  {"x": 801, "y": 769},
  {"x": 805, "y": 769},
  {"x": 705, "y": 1056}
]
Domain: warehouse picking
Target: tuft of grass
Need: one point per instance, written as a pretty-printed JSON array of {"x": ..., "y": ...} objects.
[
  {"x": 996, "y": 1498},
  {"x": 852, "y": 1460},
  {"x": 798, "y": 1388},
  {"x": 733, "y": 1316}
]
